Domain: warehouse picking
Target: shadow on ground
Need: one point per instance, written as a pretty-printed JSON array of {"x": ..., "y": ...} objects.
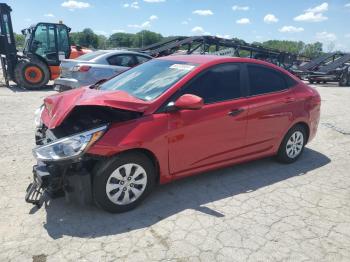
[
  {"x": 19, "y": 89},
  {"x": 167, "y": 200}
]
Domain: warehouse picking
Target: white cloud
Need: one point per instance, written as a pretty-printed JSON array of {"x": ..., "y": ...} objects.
[
  {"x": 270, "y": 19},
  {"x": 243, "y": 21},
  {"x": 240, "y": 8},
  {"x": 318, "y": 9},
  {"x": 118, "y": 31},
  {"x": 347, "y": 36},
  {"x": 224, "y": 36},
  {"x": 153, "y": 17},
  {"x": 310, "y": 17},
  {"x": 347, "y": 5},
  {"x": 291, "y": 29},
  {"x": 203, "y": 12},
  {"x": 71, "y": 5},
  {"x": 325, "y": 36},
  {"x": 199, "y": 30},
  {"x": 101, "y": 32},
  {"x": 154, "y": 1},
  {"x": 184, "y": 23},
  {"x": 134, "y": 5},
  {"x": 143, "y": 25},
  {"x": 314, "y": 14},
  {"x": 49, "y": 15}
]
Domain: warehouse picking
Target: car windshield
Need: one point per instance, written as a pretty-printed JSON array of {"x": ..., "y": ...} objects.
[
  {"x": 149, "y": 80},
  {"x": 92, "y": 55}
]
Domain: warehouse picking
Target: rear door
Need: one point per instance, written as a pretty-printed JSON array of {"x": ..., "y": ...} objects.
[
  {"x": 271, "y": 104},
  {"x": 214, "y": 134}
]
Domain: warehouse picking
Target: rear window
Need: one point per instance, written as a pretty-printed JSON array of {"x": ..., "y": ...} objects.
[
  {"x": 90, "y": 56},
  {"x": 264, "y": 80}
]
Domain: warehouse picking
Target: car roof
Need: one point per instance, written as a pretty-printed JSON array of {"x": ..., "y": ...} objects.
[
  {"x": 214, "y": 59},
  {"x": 204, "y": 59},
  {"x": 120, "y": 51}
]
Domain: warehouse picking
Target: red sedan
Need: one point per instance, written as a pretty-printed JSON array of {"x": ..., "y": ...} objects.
[{"x": 166, "y": 119}]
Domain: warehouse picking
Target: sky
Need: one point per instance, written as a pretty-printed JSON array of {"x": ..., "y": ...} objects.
[{"x": 251, "y": 20}]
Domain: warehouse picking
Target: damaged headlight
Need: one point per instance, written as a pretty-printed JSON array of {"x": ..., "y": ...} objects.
[
  {"x": 37, "y": 116},
  {"x": 68, "y": 147}
]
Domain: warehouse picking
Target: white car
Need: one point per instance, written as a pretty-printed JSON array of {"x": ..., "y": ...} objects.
[{"x": 93, "y": 67}]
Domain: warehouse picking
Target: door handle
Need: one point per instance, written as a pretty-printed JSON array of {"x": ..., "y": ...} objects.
[
  {"x": 290, "y": 99},
  {"x": 235, "y": 112}
]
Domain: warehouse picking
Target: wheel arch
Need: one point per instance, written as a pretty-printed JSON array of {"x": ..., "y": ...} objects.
[
  {"x": 305, "y": 126},
  {"x": 33, "y": 57},
  {"x": 148, "y": 153}
]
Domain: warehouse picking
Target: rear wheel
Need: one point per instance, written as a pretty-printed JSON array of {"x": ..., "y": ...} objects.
[
  {"x": 121, "y": 183},
  {"x": 311, "y": 81},
  {"x": 32, "y": 74},
  {"x": 343, "y": 80},
  {"x": 292, "y": 145}
]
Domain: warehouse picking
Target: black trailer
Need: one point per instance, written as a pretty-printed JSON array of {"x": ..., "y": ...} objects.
[
  {"x": 331, "y": 72},
  {"x": 215, "y": 45}
]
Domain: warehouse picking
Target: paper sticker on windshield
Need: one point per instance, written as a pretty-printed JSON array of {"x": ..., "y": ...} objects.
[{"x": 182, "y": 67}]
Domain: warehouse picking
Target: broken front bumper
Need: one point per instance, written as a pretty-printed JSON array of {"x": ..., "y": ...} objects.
[
  {"x": 68, "y": 179},
  {"x": 36, "y": 193}
]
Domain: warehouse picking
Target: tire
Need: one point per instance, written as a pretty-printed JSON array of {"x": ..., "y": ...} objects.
[
  {"x": 32, "y": 74},
  {"x": 285, "y": 152},
  {"x": 311, "y": 81},
  {"x": 343, "y": 80},
  {"x": 110, "y": 180}
]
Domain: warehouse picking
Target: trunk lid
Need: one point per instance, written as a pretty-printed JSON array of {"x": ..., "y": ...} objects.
[
  {"x": 67, "y": 65},
  {"x": 58, "y": 107}
]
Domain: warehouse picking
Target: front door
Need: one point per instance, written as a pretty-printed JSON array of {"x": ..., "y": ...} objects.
[{"x": 214, "y": 134}]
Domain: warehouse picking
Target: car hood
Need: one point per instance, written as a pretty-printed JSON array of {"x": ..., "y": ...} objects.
[{"x": 58, "y": 107}]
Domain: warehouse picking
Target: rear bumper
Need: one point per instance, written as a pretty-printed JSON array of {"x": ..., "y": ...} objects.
[{"x": 62, "y": 84}]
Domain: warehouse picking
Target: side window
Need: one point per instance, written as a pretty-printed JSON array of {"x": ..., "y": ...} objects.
[
  {"x": 44, "y": 41},
  {"x": 265, "y": 80},
  {"x": 141, "y": 59},
  {"x": 121, "y": 60},
  {"x": 62, "y": 39},
  {"x": 217, "y": 84}
]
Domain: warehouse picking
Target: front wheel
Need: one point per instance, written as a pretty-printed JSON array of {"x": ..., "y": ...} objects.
[
  {"x": 32, "y": 74},
  {"x": 122, "y": 183},
  {"x": 292, "y": 145}
]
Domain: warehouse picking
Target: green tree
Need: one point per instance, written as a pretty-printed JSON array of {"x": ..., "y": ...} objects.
[
  {"x": 121, "y": 40},
  {"x": 145, "y": 38},
  {"x": 86, "y": 38},
  {"x": 102, "y": 42},
  {"x": 313, "y": 50},
  {"x": 19, "y": 38}
]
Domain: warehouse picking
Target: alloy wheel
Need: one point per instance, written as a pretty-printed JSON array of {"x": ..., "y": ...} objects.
[
  {"x": 295, "y": 144},
  {"x": 126, "y": 184}
]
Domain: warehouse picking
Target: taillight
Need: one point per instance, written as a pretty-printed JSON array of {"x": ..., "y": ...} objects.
[{"x": 83, "y": 68}]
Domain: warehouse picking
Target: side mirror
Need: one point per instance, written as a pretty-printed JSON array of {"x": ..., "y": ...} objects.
[{"x": 189, "y": 102}]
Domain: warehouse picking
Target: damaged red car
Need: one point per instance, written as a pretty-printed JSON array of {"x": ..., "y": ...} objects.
[{"x": 169, "y": 118}]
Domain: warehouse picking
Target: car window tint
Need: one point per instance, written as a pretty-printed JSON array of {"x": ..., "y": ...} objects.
[
  {"x": 290, "y": 81},
  {"x": 142, "y": 59},
  {"x": 265, "y": 80},
  {"x": 91, "y": 56},
  {"x": 121, "y": 60},
  {"x": 217, "y": 84}
]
